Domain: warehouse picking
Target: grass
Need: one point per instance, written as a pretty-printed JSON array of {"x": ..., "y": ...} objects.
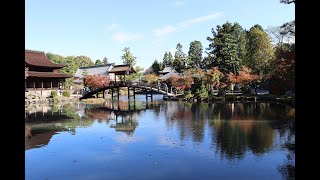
[{"x": 93, "y": 101}]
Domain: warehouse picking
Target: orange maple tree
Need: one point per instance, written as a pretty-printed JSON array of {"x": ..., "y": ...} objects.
[{"x": 96, "y": 81}]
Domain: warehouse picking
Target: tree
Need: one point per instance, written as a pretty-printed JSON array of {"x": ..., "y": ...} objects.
[
  {"x": 71, "y": 66},
  {"x": 98, "y": 62},
  {"x": 287, "y": 1},
  {"x": 213, "y": 78},
  {"x": 135, "y": 75},
  {"x": 165, "y": 60},
  {"x": 96, "y": 81},
  {"x": 128, "y": 57},
  {"x": 242, "y": 41},
  {"x": 150, "y": 79},
  {"x": 226, "y": 47},
  {"x": 84, "y": 61},
  {"x": 55, "y": 58},
  {"x": 245, "y": 77},
  {"x": 105, "y": 60},
  {"x": 179, "y": 61},
  {"x": 195, "y": 54},
  {"x": 170, "y": 59},
  {"x": 285, "y": 32},
  {"x": 260, "y": 51},
  {"x": 283, "y": 74},
  {"x": 156, "y": 67}
]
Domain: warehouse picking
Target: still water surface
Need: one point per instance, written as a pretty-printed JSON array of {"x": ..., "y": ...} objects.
[{"x": 160, "y": 140}]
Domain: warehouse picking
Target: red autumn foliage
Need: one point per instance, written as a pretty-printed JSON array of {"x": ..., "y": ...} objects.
[
  {"x": 283, "y": 76},
  {"x": 245, "y": 77},
  {"x": 96, "y": 81},
  {"x": 180, "y": 83},
  {"x": 97, "y": 114}
]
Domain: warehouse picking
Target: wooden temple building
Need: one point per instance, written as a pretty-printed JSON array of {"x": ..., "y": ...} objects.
[
  {"x": 43, "y": 76},
  {"x": 121, "y": 71}
]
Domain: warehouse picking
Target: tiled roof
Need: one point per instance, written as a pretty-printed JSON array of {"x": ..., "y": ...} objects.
[
  {"x": 47, "y": 74},
  {"x": 94, "y": 70},
  {"x": 39, "y": 58},
  {"x": 121, "y": 68},
  {"x": 168, "y": 75},
  {"x": 167, "y": 69}
]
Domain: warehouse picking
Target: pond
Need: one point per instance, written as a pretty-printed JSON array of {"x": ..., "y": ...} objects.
[{"x": 140, "y": 139}]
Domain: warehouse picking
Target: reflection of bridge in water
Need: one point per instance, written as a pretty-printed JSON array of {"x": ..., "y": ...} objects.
[
  {"x": 115, "y": 88},
  {"x": 123, "y": 113}
]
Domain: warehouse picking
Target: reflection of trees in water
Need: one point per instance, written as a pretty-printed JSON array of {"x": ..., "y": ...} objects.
[
  {"x": 57, "y": 118},
  {"x": 287, "y": 130},
  {"x": 98, "y": 114},
  {"x": 125, "y": 123},
  {"x": 237, "y": 127}
]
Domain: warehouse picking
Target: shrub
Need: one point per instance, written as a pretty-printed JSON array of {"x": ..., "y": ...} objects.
[
  {"x": 188, "y": 95},
  {"x": 54, "y": 93},
  {"x": 66, "y": 93}
]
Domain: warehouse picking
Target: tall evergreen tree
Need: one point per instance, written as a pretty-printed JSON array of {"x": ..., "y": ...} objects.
[
  {"x": 224, "y": 47},
  {"x": 156, "y": 67},
  {"x": 179, "y": 61},
  {"x": 170, "y": 59},
  {"x": 195, "y": 54},
  {"x": 165, "y": 59}
]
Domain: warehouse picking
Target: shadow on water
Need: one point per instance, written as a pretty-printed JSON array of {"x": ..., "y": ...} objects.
[{"x": 232, "y": 130}]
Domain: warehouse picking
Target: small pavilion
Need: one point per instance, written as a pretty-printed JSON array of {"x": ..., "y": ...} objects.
[{"x": 121, "y": 70}]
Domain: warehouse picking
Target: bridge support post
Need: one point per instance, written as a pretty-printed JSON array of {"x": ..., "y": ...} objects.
[
  {"x": 128, "y": 92},
  {"x": 103, "y": 94},
  {"x": 118, "y": 93},
  {"x": 112, "y": 93},
  {"x": 134, "y": 93},
  {"x": 151, "y": 95}
]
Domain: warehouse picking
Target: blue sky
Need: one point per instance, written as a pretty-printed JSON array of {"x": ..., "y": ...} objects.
[{"x": 99, "y": 28}]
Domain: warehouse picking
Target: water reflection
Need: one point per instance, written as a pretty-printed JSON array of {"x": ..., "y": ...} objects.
[{"x": 228, "y": 132}]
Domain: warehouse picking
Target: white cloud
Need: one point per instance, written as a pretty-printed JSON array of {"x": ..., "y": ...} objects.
[
  {"x": 125, "y": 37},
  {"x": 201, "y": 19},
  {"x": 184, "y": 24},
  {"x": 112, "y": 26},
  {"x": 179, "y": 3},
  {"x": 164, "y": 30}
]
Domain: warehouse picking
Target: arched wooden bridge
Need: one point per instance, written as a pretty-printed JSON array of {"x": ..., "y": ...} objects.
[{"x": 148, "y": 90}]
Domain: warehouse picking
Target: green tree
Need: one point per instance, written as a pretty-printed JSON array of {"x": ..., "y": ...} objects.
[
  {"x": 242, "y": 41},
  {"x": 98, "y": 62},
  {"x": 170, "y": 59},
  {"x": 128, "y": 57},
  {"x": 55, "y": 58},
  {"x": 260, "y": 51},
  {"x": 136, "y": 75},
  {"x": 150, "y": 79},
  {"x": 225, "y": 48},
  {"x": 165, "y": 60},
  {"x": 288, "y": 1},
  {"x": 195, "y": 54},
  {"x": 179, "y": 61},
  {"x": 105, "y": 60},
  {"x": 84, "y": 61},
  {"x": 156, "y": 67}
]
